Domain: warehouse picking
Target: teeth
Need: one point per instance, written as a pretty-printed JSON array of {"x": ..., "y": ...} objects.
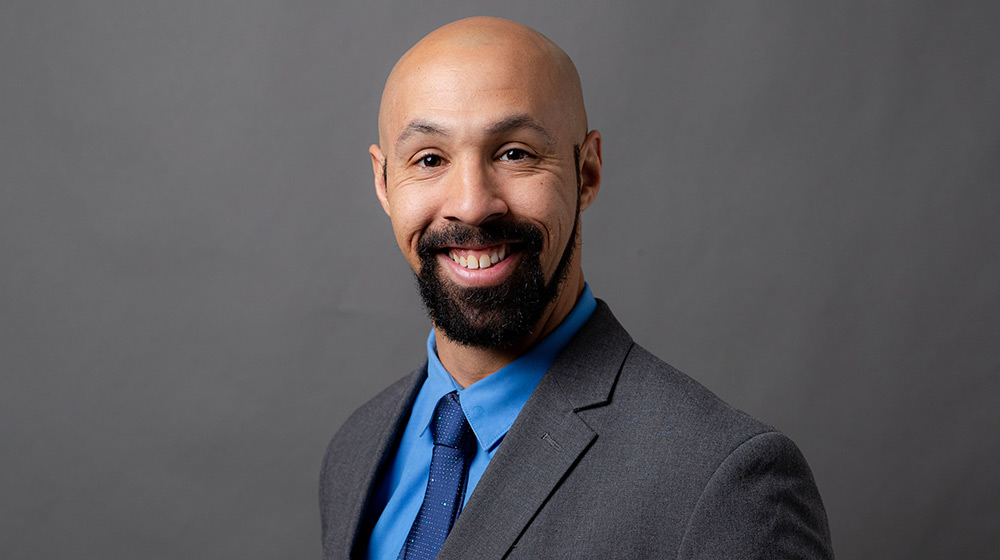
[{"x": 482, "y": 260}]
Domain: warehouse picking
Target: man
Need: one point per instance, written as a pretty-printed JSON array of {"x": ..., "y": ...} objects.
[{"x": 537, "y": 428}]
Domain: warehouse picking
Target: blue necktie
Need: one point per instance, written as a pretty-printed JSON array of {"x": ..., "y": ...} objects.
[{"x": 453, "y": 446}]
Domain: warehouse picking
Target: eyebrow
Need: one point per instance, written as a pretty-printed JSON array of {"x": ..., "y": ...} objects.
[
  {"x": 419, "y": 127},
  {"x": 517, "y": 122}
]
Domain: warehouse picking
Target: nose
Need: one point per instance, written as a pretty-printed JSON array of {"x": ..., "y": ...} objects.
[{"x": 474, "y": 195}]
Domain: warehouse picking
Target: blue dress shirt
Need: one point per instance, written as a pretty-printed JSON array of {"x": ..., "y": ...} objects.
[{"x": 491, "y": 405}]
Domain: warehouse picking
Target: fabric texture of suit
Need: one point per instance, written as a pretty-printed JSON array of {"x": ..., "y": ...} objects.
[{"x": 615, "y": 455}]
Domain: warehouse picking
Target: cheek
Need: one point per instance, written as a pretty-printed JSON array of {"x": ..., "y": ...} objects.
[
  {"x": 554, "y": 211},
  {"x": 410, "y": 216}
]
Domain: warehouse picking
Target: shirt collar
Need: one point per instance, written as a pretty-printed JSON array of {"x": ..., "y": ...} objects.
[{"x": 492, "y": 403}]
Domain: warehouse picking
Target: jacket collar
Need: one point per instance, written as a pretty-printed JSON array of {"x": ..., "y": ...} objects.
[{"x": 547, "y": 438}]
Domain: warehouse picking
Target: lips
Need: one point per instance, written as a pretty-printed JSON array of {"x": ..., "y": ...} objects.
[
  {"x": 479, "y": 255},
  {"x": 476, "y": 259}
]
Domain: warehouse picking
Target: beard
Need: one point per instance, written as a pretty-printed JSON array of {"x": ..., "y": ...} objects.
[{"x": 497, "y": 316}]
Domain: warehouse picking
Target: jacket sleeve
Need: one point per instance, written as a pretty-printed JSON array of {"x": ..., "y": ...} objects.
[{"x": 761, "y": 503}]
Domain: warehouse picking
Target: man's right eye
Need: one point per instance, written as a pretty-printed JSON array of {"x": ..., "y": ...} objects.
[{"x": 429, "y": 160}]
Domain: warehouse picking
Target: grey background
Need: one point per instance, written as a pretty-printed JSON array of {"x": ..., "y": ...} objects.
[{"x": 197, "y": 284}]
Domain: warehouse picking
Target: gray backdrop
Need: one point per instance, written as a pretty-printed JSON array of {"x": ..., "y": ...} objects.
[{"x": 197, "y": 284}]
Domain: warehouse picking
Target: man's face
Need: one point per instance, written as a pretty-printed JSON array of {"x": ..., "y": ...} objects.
[{"x": 482, "y": 187}]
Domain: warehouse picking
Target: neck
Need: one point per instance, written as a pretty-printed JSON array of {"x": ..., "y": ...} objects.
[{"x": 469, "y": 364}]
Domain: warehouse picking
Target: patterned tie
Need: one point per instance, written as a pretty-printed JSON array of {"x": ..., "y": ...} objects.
[{"x": 453, "y": 446}]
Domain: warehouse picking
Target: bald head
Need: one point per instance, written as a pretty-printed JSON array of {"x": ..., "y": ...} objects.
[
  {"x": 504, "y": 56},
  {"x": 484, "y": 164}
]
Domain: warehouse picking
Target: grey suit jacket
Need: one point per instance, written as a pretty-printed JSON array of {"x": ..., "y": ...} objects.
[{"x": 615, "y": 455}]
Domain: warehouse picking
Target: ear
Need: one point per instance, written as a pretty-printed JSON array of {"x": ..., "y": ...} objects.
[
  {"x": 590, "y": 168},
  {"x": 378, "y": 169}
]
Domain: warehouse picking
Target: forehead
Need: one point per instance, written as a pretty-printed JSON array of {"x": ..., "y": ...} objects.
[{"x": 471, "y": 90}]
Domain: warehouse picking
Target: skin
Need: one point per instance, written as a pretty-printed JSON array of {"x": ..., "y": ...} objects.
[{"x": 479, "y": 122}]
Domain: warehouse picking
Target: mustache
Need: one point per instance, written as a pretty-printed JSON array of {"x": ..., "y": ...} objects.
[{"x": 524, "y": 234}]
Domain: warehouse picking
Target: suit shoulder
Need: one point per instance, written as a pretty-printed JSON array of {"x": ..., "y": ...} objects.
[
  {"x": 712, "y": 457},
  {"x": 762, "y": 497},
  {"x": 668, "y": 396},
  {"x": 372, "y": 414}
]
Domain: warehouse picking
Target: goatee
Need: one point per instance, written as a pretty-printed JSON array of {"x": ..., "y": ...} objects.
[{"x": 498, "y": 316}]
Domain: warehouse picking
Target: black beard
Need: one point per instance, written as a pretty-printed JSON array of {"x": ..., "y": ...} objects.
[{"x": 497, "y": 316}]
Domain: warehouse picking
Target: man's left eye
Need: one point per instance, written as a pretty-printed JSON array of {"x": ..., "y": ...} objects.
[{"x": 514, "y": 154}]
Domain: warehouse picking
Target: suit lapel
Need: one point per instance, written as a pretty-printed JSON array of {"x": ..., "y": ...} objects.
[
  {"x": 546, "y": 440},
  {"x": 372, "y": 449}
]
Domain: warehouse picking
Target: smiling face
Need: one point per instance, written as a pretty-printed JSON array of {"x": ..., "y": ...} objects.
[{"x": 483, "y": 166}]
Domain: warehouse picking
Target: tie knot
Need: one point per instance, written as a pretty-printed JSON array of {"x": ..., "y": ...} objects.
[{"x": 449, "y": 426}]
